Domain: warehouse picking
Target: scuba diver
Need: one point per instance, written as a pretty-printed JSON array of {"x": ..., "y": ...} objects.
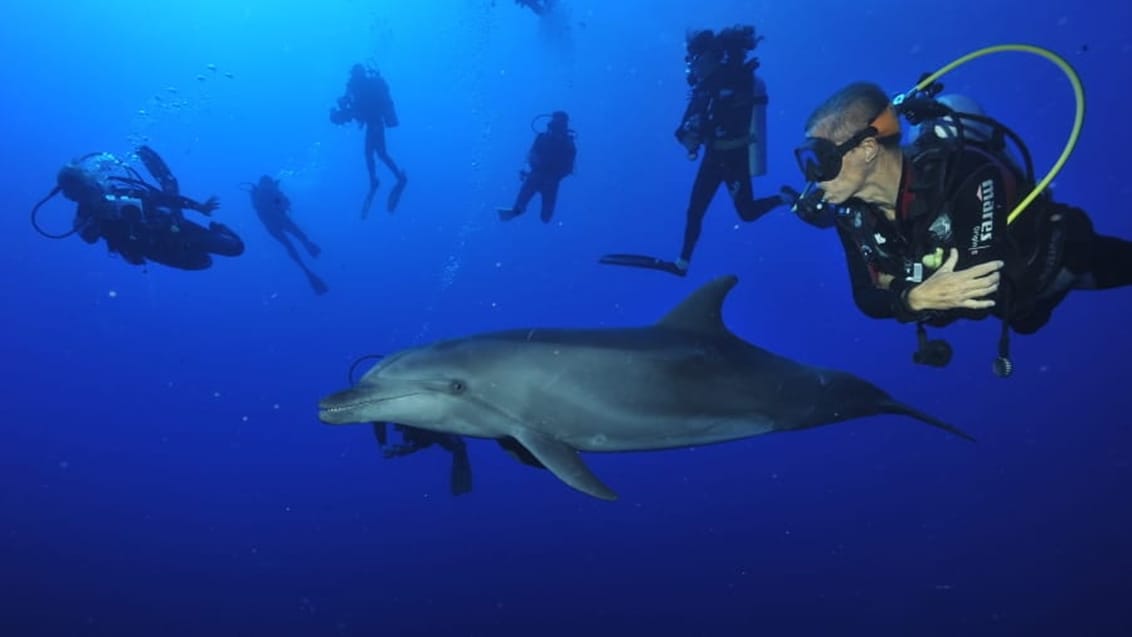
[
  {"x": 925, "y": 228},
  {"x": 726, "y": 114},
  {"x": 551, "y": 159},
  {"x": 139, "y": 221},
  {"x": 539, "y": 7},
  {"x": 367, "y": 101},
  {"x": 273, "y": 208},
  {"x": 414, "y": 440}
]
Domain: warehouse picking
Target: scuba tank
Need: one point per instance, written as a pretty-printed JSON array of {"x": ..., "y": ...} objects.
[
  {"x": 388, "y": 110},
  {"x": 756, "y": 149}
]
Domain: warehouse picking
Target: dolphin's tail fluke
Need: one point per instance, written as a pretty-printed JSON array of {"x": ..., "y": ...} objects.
[{"x": 893, "y": 407}]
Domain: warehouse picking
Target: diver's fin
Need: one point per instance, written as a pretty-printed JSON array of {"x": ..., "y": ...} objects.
[
  {"x": 368, "y": 201},
  {"x": 395, "y": 193},
  {"x": 159, "y": 169},
  {"x": 460, "y": 478},
  {"x": 381, "y": 433},
  {"x": 519, "y": 452},
  {"x": 318, "y": 285},
  {"x": 643, "y": 261},
  {"x": 563, "y": 461},
  {"x": 702, "y": 310}
]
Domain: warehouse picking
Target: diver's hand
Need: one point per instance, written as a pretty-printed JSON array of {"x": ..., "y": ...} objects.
[
  {"x": 691, "y": 143},
  {"x": 948, "y": 289},
  {"x": 209, "y": 206}
]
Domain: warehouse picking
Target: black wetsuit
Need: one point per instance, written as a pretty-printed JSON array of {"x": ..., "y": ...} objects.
[
  {"x": 273, "y": 208},
  {"x": 158, "y": 236},
  {"x": 370, "y": 103},
  {"x": 551, "y": 158},
  {"x": 962, "y": 199},
  {"x": 719, "y": 114},
  {"x": 414, "y": 440},
  {"x": 156, "y": 231}
]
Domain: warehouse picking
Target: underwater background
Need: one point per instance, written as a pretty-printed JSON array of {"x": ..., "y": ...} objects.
[{"x": 162, "y": 467}]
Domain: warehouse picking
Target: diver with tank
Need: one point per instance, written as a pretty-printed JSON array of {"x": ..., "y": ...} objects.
[
  {"x": 954, "y": 223},
  {"x": 726, "y": 117}
]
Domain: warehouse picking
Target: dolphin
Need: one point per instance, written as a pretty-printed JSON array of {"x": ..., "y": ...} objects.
[{"x": 684, "y": 381}]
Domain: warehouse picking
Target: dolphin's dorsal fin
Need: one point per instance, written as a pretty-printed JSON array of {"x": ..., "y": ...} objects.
[{"x": 702, "y": 310}]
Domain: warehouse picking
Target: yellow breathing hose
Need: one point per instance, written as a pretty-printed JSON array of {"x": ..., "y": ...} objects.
[{"x": 1078, "y": 118}]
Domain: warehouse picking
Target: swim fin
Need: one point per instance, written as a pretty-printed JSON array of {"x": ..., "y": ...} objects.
[
  {"x": 381, "y": 433},
  {"x": 159, "y": 170},
  {"x": 506, "y": 214},
  {"x": 644, "y": 261},
  {"x": 317, "y": 284},
  {"x": 395, "y": 193},
  {"x": 460, "y": 475},
  {"x": 368, "y": 201}
]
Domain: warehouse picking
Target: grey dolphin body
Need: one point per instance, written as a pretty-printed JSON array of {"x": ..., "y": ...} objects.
[{"x": 685, "y": 381}]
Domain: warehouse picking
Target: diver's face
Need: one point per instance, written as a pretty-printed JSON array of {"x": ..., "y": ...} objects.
[
  {"x": 856, "y": 167},
  {"x": 703, "y": 66}
]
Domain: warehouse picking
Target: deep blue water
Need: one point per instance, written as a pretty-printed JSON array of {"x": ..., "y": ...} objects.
[{"x": 163, "y": 468}]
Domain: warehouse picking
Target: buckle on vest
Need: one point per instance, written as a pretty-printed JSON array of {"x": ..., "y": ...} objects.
[{"x": 913, "y": 271}]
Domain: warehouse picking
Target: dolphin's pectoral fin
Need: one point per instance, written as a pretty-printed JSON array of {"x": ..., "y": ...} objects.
[
  {"x": 563, "y": 461},
  {"x": 519, "y": 452}
]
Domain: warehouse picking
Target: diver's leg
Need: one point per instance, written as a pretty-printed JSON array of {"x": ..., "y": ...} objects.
[
  {"x": 183, "y": 259},
  {"x": 379, "y": 149},
  {"x": 549, "y": 199},
  {"x": 293, "y": 228},
  {"x": 737, "y": 176},
  {"x": 317, "y": 284},
  {"x": 1098, "y": 262},
  {"x": 218, "y": 239},
  {"x": 279, "y": 236},
  {"x": 383, "y": 154},
  {"x": 707, "y": 182},
  {"x": 1107, "y": 260},
  {"x": 1090, "y": 262},
  {"x": 180, "y": 250},
  {"x": 526, "y": 191},
  {"x": 375, "y": 134}
]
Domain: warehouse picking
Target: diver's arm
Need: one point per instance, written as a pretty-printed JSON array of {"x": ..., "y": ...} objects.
[
  {"x": 571, "y": 155},
  {"x": 537, "y": 151},
  {"x": 86, "y": 224},
  {"x": 689, "y": 132},
  {"x": 205, "y": 208},
  {"x": 978, "y": 207},
  {"x": 874, "y": 301}
]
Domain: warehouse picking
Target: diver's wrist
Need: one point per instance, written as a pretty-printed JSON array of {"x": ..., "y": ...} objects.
[{"x": 912, "y": 299}]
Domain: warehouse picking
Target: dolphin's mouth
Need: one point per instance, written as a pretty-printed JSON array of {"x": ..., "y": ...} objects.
[{"x": 338, "y": 405}]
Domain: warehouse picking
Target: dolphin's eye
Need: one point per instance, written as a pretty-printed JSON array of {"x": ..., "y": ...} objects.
[{"x": 457, "y": 386}]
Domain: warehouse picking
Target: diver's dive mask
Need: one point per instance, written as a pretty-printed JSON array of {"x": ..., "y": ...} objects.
[{"x": 820, "y": 159}]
